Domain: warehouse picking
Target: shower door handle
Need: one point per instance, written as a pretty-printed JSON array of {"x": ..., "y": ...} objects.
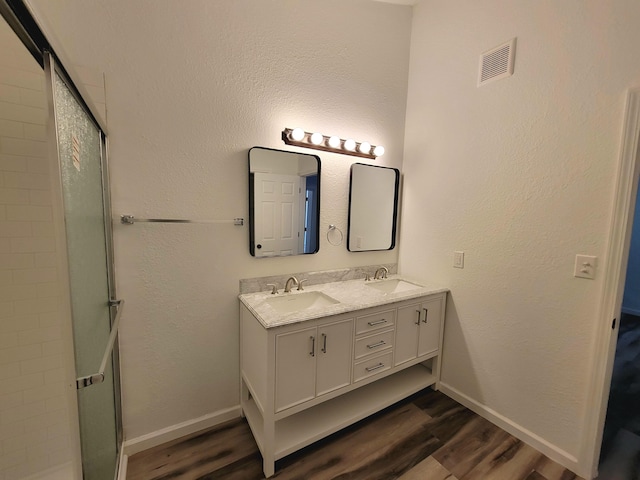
[{"x": 98, "y": 377}]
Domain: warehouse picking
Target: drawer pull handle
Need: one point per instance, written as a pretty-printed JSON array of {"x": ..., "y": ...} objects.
[
  {"x": 324, "y": 343},
  {"x": 313, "y": 346},
  {"x": 375, "y": 367},
  {"x": 426, "y": 312},
  {"x": 418, "y": 321},
  {"x": 374, "y": 345},
  {"x": 377, "y": 322}
]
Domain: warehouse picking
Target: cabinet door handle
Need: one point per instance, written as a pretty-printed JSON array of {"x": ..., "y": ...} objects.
[
  {"x": 418, "y": 321},
  {"x": 375, "y": 367},
  {"x": 426, "y": 312},
  {"x": 313, "y": 346},
  {"x": 324, "y": 343},
  {"x": 377, "y": 322},
  {"x": 374, "y": 345}
]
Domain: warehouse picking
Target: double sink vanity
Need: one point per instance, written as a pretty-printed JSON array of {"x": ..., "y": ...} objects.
[
  {"x": 318, "y": 359},
  {"x": 339, "y": 347}
]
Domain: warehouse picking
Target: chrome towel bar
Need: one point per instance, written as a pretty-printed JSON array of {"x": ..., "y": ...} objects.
[
  {"x": 130, "y": 220},
  {"x": 89, "y": 380}
]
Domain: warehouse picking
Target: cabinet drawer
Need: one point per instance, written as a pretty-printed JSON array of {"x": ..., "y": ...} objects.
[
  {"x": 375, "y": 321},
  {"x": 375, "y": 343},
  {"x": 372, "y": 366}
]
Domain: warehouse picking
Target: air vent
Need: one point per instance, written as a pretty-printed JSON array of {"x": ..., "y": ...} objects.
[{"x": 497, "y": 63}]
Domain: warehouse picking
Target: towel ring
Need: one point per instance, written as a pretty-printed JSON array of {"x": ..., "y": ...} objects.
[{"x": 331, "y": 229}]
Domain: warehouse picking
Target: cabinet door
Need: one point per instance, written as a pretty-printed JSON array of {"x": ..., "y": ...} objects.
[
  {"x": 407, "y": 331},
  {"x": 335, "y": 342},
  {"x": 295, "y": 367},
  {"x": 429, "y": 337}
]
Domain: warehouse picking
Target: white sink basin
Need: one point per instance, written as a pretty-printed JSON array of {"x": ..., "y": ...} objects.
[
  {"x": 393, "y": 286},
  {"x": 296, "y": 302}
]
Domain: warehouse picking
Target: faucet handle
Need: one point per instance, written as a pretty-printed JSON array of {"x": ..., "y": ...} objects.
[
  {"x": 300, "y": 282},
  {"x": 274, "y": 288}
]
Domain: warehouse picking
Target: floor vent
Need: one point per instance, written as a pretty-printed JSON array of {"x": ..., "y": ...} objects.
[{"x": 497, "y": 63}]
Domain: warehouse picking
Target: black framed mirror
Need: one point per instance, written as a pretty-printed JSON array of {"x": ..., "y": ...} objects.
[
  {"x": 284, "y": 203},
  {"x": 373, "y": 208}
]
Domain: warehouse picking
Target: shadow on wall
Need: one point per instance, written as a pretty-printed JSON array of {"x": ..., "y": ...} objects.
[{"x": 456, "y": 357}]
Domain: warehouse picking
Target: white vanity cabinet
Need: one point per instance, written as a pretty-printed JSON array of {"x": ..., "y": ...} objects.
[
  {"x": 418, "y": 329},
  {"x": 303, "y": 381},
  {"x": 311, "y": 362}
]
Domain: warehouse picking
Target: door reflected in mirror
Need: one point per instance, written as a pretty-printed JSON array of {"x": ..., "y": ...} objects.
[
  {"x": 373, "y": 208},
  {"x": 284, "y": 203}
]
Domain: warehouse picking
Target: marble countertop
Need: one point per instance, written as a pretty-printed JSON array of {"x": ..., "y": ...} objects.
[{"x": 351, "y": 295}]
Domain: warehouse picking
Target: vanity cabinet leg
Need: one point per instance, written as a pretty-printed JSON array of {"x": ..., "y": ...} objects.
[
  {"x": 268, "y": 467},
  {"x": 269, "y": 446}
]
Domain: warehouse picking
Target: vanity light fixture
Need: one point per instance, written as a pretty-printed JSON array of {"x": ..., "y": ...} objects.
[{"x": 317, "y": 141}]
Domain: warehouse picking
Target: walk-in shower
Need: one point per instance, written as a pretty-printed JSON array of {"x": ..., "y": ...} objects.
[{"x": 59, "y": 375}]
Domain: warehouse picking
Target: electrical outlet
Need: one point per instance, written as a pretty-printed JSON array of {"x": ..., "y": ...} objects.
[
  {"x": 458, "y": 259},
  {"x": 585, "y": 267}
]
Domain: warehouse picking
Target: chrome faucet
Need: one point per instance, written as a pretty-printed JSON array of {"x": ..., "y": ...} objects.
[
  {"x": 381, "y": 273},
  {"x": 290, "y": 281}
]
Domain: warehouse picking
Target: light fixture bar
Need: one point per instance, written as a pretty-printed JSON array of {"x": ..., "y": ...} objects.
[{"x": 317, "y": 141}]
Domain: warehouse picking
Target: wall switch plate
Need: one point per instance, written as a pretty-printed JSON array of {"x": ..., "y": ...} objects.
[
  {"x": 585, "y": 267},
  {"x": 458, "y": 259}
]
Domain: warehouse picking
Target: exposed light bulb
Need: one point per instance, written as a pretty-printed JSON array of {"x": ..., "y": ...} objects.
[
  {"x": 378, "y": 151},
  {"x": 334, "y": 142},
  {"x": 317, "y": 138},
  {"x": 297, "y": 134},
  {"x": 350, "y": 144},
  {"x": 365, "y": 147}
]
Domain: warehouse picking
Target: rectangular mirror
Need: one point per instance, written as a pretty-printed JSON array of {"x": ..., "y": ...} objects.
[
  {"x": 284, "y": 203},
  {"x": 373, "y": 208}
]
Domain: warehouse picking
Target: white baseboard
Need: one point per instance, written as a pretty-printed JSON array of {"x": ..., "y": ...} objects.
[
  {"x": 554, "y": 453},
  {"x": 153, "y": 439},
  {"x": 60, "y": 472},
  {"x": 122, "y": 469}
]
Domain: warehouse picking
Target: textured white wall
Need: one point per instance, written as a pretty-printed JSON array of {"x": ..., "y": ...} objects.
[
  {"x": 519, "y": 175},
  {"x": 189, "y": 89}
]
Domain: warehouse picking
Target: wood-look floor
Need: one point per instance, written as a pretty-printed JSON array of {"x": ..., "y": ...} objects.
[{"x": 426, "y": 437}]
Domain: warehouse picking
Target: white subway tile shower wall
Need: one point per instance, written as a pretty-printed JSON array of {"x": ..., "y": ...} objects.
[{"x": 34, "y": 416}]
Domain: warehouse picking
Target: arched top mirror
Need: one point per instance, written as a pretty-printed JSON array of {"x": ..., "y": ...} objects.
[
  {"x": 373, "y": 208},
  {"x": 284, "y": 203}
]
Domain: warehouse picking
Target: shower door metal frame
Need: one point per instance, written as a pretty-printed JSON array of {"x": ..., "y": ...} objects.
[{"x": 51, "y": 68}]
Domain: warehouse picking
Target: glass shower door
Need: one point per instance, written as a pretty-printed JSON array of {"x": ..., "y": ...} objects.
[{"x": 81, "y": 148}]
